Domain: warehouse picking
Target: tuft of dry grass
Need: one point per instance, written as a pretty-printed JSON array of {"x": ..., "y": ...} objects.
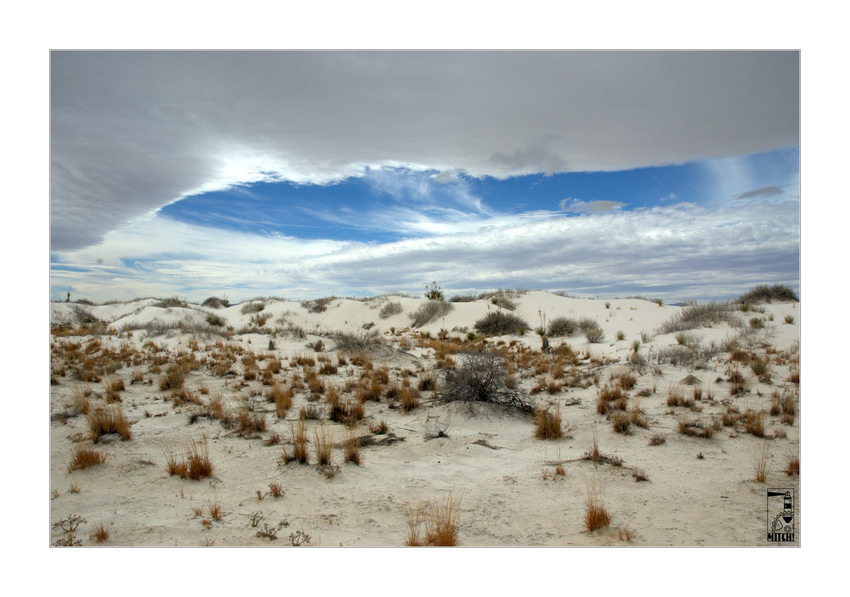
[
  {"x": 596, "y": 515},
  {"x": 352, "y": 448},
  {"x": 793, "y": 467},
  {"x": 100, "y": 533},
  {"x": 108, "y": 420},
  {"x": 298, "y": 445},
  {"x": 657, "y": 439},
  {"x": 434, "y": 523},
  {"x": 620, "y": 422},
  {"x": 409, "y": 398},
  {"x": 216, "y": 512},
  {"x": 84, "y": 457},
  {"x": 696, "y": 427},
  {"x": 379, "y": 428},
  {"x": 323, "y": 442},
  {"x": 276, "y": 490},
  {"x": 761, "y": 462},
  {"x": 549, "y": 423},
  {"x": 754, "y": 422}
]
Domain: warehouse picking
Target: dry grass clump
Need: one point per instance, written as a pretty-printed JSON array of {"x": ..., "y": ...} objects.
[
  {"x": 108, "y": 420},
  {"x": 409, "y": 398},
  {"x": 282, "y": 398},
  {"x": 323, "y": 442},
  {"x": 434, "y": 523},
  {"x": 754, "y": 422},
  {"x": 298, "y": 448},
  {"x": 549, "y": 423},
  {"x": 793, "y": 467},
  {"x": 195, "y": 463},
  {"x": 761, "y": 463},
  {"x": 696, "y": 427},
  {"x": 657, "y": 439},
  {"x": 697, "y": 316},
  {"x": 250, "y": 422},
  {"x": 610, "y": 397},
  {"x": 596, "y": 515},
  {"x": 99, "y": 534},
  {"x": 352, "y": 448},
  {"x": 620, "y": 422},
  {"x": 175, "y": 377},
  {"x": 112, "y": 387},
  {"x": 84, "y": 457}
]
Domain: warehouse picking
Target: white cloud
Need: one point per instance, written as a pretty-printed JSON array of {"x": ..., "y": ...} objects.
[{"x": 681, "y": 251}]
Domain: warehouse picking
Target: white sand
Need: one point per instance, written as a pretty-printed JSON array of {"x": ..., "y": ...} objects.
[{"x": 504, "y": 498}]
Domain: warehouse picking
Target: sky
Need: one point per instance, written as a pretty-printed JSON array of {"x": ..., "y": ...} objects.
[{"x": 672, "y": 174}]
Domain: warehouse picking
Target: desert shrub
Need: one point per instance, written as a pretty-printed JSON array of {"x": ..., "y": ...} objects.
[
  {"x": 252, "y": 307},
  {"x": 562, "y": 326},
  {"x": 428, "y": 312},
  {"x": 433, "y": 292},
  {"x": 789, "y": 319},
  {"x": 170, "y": 302},
  {"x": 216, "y": 320},
  {"x": 697, "y": 316},
  {"x": 319, "y": 305},
  {"x": 500, "y": 324},
  {"x": 440, "y": 522},
  {"x": 390, "y": 309},
  {"x": 594, "y": 335},
  {"x": 766, "y": 294},
  {"x": 481, "y": 377},
  {"x": 360, "y": 342},
  {"x": 215, "y": 303}
]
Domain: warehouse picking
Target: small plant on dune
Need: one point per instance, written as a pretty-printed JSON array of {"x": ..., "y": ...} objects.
[
  {"x": 100, "y": 533},
  {"x": 657, "y": 439},
  {"x": 593, "y": 454},
  {"x": 298, "y": 445},
  {"x": 596, "y": 515},
  {"x": 696, "y": 427},
  {"x": 352, "y": 448},
  {"x": 789, "y": 319},
  {"x": 390, "y": 309},
  {"x": 323, "y": 442},
  {"x": 594, "y": 335},
  {"x": 175, "y": 377},
  {"x": 216, "y": 512},
  {"x": 549, "y": 423},
  {"x": 754, "y": 422},
  {"x": 84, "y": 457},
  {"x": 793, "y": 467},
  {"x": 108, "y": 420},
  {"x": 276, "y": 490},
  {"x": 409, "y": 398},
  {"x": 620, "y": 422},
  {"x": 761, "y": 463},
  {"x": 434, "y": 523},
  {"x": 379, "y": 427}
]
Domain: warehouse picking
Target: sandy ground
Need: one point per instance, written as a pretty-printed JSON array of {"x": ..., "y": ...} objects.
[{"x": 501, "y": 479}]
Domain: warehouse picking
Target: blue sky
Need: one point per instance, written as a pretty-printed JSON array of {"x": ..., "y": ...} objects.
[{"x": 670, "y": 174}]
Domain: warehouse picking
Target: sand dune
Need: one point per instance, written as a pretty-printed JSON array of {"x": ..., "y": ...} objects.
[{"x": 508, "y": 487}]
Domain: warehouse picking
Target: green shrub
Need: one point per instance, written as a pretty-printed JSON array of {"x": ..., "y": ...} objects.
[
  {"x": 216, "y": 303},
  {"x": 390, "y": 309},
  {"x": 500, "y": 324},
  {"x": 428, "y": 312},
  {"x": 562, "y": 326},
  {"x": 766, "y": 294}
]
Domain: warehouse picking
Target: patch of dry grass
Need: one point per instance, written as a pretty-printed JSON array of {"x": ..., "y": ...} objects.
[
  {"x": 549, "y": 423},
  {"x": 108, "y": 420},
  {"x": 83, "y": 457},
  {"x": 596, "y": 515}
]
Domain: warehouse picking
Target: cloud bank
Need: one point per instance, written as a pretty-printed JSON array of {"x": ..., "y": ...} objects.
[{"x": 670, "y": 251}]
